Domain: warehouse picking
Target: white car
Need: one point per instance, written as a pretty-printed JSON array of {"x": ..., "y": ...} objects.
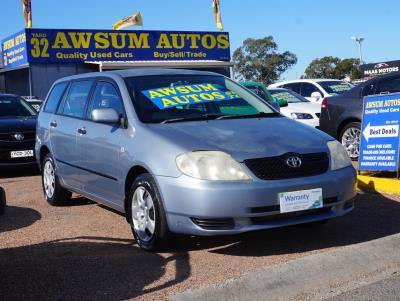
[
  {"x": 298, "y": 108},
  {"x": 315, "y": 90}
]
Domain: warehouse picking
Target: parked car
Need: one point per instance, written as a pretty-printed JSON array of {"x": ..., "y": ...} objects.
[
  {"x": 298, "y": 107},
  {"x": 315, "y": 89},
  {"x": 262, "y": 91},
  {"x": 2, "y": 201},
  {"x": 34, "y": 101},
  {"x": 182, "y": 151},
  {"x": 341, "y": 115},
  {"x": 17, "y": 131}
]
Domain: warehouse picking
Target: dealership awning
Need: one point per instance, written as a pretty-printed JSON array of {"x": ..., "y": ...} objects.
[
  {"x": 3, "y": 70},
  {"x": 107, "y": 65}
]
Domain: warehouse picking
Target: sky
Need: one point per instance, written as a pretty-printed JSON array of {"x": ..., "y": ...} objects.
[{"x": 308, "y": 28}]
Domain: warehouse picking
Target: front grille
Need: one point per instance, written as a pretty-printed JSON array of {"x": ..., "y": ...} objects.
[
  {"x": 274, "y": 208},
  {"x": 214, "y": 224},
  {"x": 275, "y": 168},
  {"x": 290, "y": 215},
  {"x": 10, "y": 136}
]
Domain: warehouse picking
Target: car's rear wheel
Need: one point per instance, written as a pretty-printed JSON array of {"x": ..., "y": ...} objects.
[
  {"x": 147, "y": 216},
  {"x": 55, "y": 194},
  {"x": 350, "y": 138},
  {"x": 2, "y": 201}
]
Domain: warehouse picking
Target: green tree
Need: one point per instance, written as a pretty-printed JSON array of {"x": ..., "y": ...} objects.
[
  {"x": 259, "y": 60},
  {"x": 348, "y": 68},
  {"x": 333, "y": 67},
  {"x": 322, "y": 68}
]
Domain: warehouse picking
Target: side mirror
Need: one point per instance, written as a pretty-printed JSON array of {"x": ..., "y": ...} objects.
[
  {"x": 282, "y": 103},
  {"x": 109, "y": 116},
  {"x": 316, "y": 95},
  {"x": 276, "y": 105}
]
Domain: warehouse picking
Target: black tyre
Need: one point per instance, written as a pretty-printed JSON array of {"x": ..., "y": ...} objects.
[
  {"x": 147, "y": 216},
  {"x": 54, "y": 193},
  {"x": 350, "y": 137},
  {"x": 2, "y": 201}
]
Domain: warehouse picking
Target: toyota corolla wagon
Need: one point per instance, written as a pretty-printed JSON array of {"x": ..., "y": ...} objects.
[{"x": 189, "y": 152}]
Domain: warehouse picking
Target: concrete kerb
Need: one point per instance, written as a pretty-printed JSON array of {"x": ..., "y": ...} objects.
[{"x": 314, "y": 276}]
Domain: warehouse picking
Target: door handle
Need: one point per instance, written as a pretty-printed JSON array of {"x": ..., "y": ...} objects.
[
  {"x": 82, "y": 131},
  {"x": 53, "y": 124}
]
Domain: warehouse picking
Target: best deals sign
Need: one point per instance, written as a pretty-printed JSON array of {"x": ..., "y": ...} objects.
[{"x": 380, "y": 133}]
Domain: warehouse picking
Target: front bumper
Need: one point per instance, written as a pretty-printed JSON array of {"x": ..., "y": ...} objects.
[
  {"x": 311, "y": 122},
  {"x": 216, "y": 208}
]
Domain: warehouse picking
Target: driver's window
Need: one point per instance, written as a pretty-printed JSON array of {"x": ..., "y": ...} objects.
[
  {"x": 105, "y": 96},
  {"x": 369, "y": 89}
]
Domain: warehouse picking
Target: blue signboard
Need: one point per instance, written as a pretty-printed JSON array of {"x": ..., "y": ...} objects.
[
  {"x": 14, "y": 51},
  {"x": 380, "y": 133},
  {"x": 77, "y": 46}
]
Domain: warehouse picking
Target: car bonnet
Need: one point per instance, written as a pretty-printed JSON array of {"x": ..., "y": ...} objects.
[{"x": 245, "y": 138}]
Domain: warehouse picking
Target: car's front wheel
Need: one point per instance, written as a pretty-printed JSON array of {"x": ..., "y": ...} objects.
[
  {"x": 350, "y": 138},
  {"x": 55, "y": 194},
  {"x": 147, "y": 216}
]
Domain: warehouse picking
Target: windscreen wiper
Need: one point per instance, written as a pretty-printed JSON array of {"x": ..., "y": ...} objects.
[
  {"x": 193, "y": 118},
  {"x": 259, "y": 114}
]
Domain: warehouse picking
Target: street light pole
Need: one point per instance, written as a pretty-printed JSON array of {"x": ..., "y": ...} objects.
[{"x": 359, "y": 40}]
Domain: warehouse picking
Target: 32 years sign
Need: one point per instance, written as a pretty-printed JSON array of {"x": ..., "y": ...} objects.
[{"x": 380, "y": 133}]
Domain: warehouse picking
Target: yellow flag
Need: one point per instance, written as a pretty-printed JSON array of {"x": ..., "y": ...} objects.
[
  {"x": 26, "y": 5},
  {"x": 217, "y": 14},
  {"x": 134, "y": 20}
]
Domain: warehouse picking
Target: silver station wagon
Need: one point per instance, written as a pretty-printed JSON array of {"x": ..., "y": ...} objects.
[{"x": 180, "y": 151}]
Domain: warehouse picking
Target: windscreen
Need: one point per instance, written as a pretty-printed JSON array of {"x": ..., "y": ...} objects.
[
  {"x": 335, "y": 87},
  {"x": 159, "y": 99},
  {"x": 288, "y": 95},
  {"x": 15, "y": 107}
]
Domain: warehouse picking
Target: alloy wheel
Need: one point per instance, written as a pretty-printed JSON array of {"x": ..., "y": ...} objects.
[
  {"x": 49, "y": 179},
  {"x": 143, "y": 214},
  {"x": 351, "y": 141}
]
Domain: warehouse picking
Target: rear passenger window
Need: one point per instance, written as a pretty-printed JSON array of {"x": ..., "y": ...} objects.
[
  {"x": 307, "y": 89},
  {"x": 293, "y": 86},
  {"x": 74, "y": 105},
  {"x": 106, "y": 96},
  {"x": 55, "y": 97}
]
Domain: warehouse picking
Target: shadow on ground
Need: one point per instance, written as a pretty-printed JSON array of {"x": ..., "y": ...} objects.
[
  {"x": 19, "y": 171},
  {"x": 16, "y": 218},
  {"x": 84, "y": 268}
]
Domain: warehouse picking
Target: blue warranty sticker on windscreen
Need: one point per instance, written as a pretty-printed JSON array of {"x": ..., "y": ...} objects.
[{"x": 168, "y": 97}]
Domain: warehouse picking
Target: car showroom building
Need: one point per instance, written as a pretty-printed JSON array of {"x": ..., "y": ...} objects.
[{"x": 34, "y": 58}]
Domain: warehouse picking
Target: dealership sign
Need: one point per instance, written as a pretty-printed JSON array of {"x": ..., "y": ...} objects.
[
  {"x": 369, "y": 70},
  {"x": 14, "y": 51},
  {"x": 380, "y": 133},
  {"x": 74, "y": 46}
]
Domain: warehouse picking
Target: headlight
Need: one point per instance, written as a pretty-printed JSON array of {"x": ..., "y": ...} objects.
[
  {"x": 339, "y": 156},
  {"x": 301, "y": 116},
  {"x": 211, "y": 165}
]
